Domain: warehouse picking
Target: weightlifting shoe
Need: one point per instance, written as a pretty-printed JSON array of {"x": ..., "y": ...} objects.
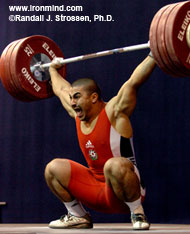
[
  {"x": 70, "y": 221},
  {"x": 139, "y": 222}
]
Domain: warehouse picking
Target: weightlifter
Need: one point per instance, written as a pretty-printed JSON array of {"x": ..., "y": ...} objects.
[{"x": 111, "y": 183}]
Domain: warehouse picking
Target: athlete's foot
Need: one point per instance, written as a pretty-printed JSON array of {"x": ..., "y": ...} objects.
[
  {"x": 70, "y": 221},
  {"x": 139, "y": 222}
]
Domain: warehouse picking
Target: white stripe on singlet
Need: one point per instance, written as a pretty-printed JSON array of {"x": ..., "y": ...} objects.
[
  {"x": 115, "y": 145},
  {"x": 115, "y": 142}
]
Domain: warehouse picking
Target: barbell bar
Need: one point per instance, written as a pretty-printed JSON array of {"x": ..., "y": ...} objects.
[
  {"x": 98, "y": 54},
  {"x": 24, "y": 62}
]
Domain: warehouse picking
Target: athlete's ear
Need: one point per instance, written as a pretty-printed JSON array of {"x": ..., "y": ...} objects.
[{"x": 94, "y": 97}]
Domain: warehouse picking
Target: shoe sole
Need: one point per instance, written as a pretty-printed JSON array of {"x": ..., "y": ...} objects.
[
  {"x": 140, "y": 229},
  {"x": 78, "y": 226}
]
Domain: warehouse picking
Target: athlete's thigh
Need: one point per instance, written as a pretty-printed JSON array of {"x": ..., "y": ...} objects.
[{"x": 93, "y": 193}]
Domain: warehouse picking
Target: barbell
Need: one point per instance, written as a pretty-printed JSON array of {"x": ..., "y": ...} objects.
[{"x": 24, "y": 63}]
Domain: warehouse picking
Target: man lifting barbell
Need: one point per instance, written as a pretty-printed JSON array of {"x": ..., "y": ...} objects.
[{"x": 111, "y": 183}]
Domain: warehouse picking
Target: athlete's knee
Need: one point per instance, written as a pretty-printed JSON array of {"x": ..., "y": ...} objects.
[
  {"x": 118, "y": 167},
  {"x": 56, "y": 167}
]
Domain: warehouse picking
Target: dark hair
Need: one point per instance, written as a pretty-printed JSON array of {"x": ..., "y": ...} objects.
[{"x": 89, "y": 85}]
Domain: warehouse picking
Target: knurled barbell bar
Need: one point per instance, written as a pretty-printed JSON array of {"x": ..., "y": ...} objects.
[{"x": 24, "y": 63}]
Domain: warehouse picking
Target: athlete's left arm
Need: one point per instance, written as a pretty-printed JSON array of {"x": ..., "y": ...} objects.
[
  {"x": 125, "y": 100},
  {"x": 120, "y": 107}
]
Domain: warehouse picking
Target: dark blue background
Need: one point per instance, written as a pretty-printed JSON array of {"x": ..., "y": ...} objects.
[{"x": 32, "y": 134}]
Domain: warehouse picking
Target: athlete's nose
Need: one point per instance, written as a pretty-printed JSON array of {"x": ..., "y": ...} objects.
[{"x": 73, "y": 102}]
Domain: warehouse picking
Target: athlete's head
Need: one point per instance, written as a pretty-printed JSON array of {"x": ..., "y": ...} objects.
[
  {"x": 89, "y": 85},
  {"x": 84, "y": 94}
]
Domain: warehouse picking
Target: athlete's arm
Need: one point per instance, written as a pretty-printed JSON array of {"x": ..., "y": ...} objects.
[
  {"x": 120, "y": 107},
  {"x": 125, "y": 101},
  {"x": 61, "y": 87}
]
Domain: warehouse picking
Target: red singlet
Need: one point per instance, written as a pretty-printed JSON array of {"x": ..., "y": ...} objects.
[{"x": 88, "y": 184}]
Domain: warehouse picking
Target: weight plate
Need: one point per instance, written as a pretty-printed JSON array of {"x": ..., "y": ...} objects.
[
  {"x": 11, "y": 87},
  {"x": 4, "y": 69},
  {"x": 21, "y": 93},
  {"x": 177, "y": 71},
  {"x": 153, "y": 40},
  {"x": 15, "y": 90},
  {"x": 35, "y": 49},
  {"x": 175, "y": 36},
  {"x": 4, "y": 79}
]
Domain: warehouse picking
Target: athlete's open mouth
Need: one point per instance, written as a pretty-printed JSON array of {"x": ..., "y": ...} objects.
[{"x": 78, "y": 111}]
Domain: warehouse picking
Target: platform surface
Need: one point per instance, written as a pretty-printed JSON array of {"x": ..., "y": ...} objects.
[{"x": 111, "y": 228}]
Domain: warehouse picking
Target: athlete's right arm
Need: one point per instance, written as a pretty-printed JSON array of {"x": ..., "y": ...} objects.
[{"x": 61, "y": 87}]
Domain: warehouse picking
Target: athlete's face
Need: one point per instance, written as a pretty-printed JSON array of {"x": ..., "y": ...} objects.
[{"x": 81, "y": 102}]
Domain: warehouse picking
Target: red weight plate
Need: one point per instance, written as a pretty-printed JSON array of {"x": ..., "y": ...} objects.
[
  {"x": 11, "y": 88},
  {"x": 5, "y": 76},
  {"x": 2, "y": 64},
  {"x": 177, "y": 71},
  {"x": 175, "y": 36},
  {"x": 153, "y": 40},
  {"x": 24, "y": 53},
  {"x": 14, "y": 90},
  {"x": 16, "y": 76},
  {"x": 19, "y": 92}
]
